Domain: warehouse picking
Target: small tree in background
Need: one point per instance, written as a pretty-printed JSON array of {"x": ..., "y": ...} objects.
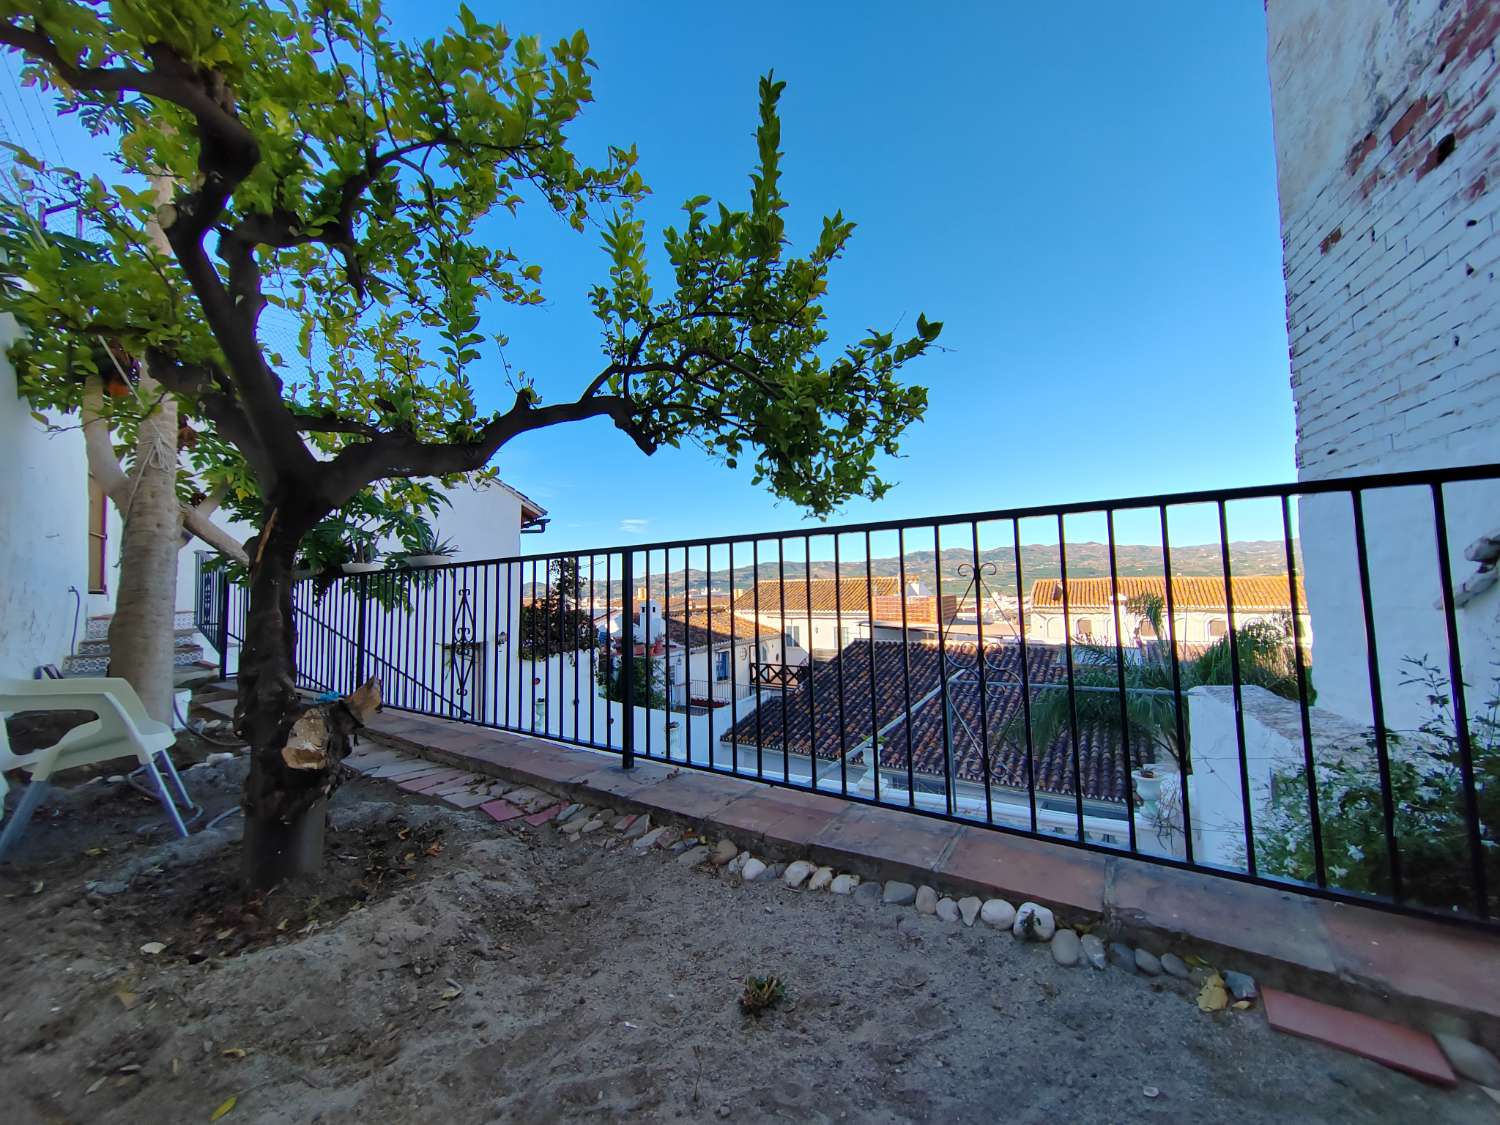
[
  {"x": 554, "y": 623},
  {"x": 356, "y": 181},
  {"x": 646, "y": 682}
]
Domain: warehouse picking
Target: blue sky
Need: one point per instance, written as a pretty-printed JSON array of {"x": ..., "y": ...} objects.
[{"x": 1084, "y": 195}]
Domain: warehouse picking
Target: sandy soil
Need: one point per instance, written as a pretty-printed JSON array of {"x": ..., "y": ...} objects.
[{"x": 445, "y": 970}]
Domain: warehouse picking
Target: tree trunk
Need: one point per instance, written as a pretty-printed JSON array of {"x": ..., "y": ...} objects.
[
  {"x": 142, "y": 638},
  {"x": 295, "y": 750}
]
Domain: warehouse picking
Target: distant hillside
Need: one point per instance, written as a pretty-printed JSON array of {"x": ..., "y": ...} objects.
[{"x": 1085, "y": 560}]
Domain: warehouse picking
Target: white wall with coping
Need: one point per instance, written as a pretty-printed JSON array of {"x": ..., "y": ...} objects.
[
  {"x": 1273, "y": 744},
  {"x": 1387, "y": 124},
  {"x": 43, "y": 543}
]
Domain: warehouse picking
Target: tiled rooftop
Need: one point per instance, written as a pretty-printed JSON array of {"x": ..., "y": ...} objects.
[
  {"x": 849, "y": 595},
  {"x": 697, "y": 628},
  {"x": 1262, "y": 593},
  {"x": 814, "y": 709}
]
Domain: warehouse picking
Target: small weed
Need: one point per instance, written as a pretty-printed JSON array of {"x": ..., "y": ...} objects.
[{"x": 761, "y": 993}]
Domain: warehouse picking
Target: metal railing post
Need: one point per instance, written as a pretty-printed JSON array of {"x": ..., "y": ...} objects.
[
  {"x": 223, "y": 630},
  {"x": 361, "y": 644},
  {"x": 627, "y": 662}
]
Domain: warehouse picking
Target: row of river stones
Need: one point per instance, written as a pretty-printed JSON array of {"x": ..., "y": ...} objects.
[{"x": 1028, "y": 922}]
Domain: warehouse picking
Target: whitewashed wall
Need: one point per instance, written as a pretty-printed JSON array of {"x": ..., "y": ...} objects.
[
  {"x": 1273, "y": 744},
  {"x": 43, "y": 531},
  {"x": 1387, "y": 121}
]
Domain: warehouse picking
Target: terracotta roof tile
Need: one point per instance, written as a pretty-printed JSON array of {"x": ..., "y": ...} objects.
[
  {"x": 851, "y": 595},
  {"x": 1258, "y": 593},
  {"x": 816, "y": 706},
  {"x": 696, "y": 629}
]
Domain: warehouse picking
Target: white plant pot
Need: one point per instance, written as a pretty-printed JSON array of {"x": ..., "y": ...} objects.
[
  {"x": 363, "y": 568},
  {"x": 427, "y": 560},
  {"x": 1148, "y": 789}
]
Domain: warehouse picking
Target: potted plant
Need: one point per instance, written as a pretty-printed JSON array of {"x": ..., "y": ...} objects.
[
  {"x": 428, "y": 550},
  {"x": 364, "y": 558},
  {"x": 1148, "y": 778}
]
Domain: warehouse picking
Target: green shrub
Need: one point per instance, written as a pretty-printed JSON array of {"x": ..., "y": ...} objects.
[{"x": 1431, "y": 824}]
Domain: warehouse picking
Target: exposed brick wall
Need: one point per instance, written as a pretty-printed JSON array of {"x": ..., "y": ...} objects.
[{"x": 1392, "y": 258}]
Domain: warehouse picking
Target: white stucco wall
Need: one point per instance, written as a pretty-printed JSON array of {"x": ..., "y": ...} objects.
[
  {"x": 1387, "y": 121},
  {"x": 1273, "y": 743},
  {"x": 43, "y": 531},
  {"x": 483, "y": 522}
]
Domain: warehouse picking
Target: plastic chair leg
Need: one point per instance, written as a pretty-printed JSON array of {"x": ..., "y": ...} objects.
[
  {"x": 15, "y": 827},
  {"x": 166, "y": 798},
  {"x": 170, "y": 768}
]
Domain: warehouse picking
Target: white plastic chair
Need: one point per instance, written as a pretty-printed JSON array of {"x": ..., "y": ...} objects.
[{"x": 122, "y": 728}]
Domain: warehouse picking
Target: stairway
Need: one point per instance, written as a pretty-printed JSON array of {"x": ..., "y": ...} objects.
[{"x": 92, "y": 657}]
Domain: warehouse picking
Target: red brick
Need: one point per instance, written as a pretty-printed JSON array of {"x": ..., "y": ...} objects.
[
  {"x": 883, "y": 843},
  {"x": 984, "y": 860},
  {"x": 783, "y": 818},
  {"x": 1414, "y": 1052},
  {"x": 1415, "y": 957},
  {"x": 421, "y": 783},
  {"x": 537, "y": 819},
  {"x": 1408, "y": 120},
  {"x": 501, "y": 811}
]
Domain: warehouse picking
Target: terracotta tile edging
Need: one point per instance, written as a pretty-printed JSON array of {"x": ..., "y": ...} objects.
[{"x": 1278, "y": 937}]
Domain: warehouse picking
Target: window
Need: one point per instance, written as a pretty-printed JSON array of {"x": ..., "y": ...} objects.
[
  {"x": 1217, "y": 627},
  {"x": 98, "y": 537},
  {"x": 721, "y": 664},
  {"x": 794, "y": 637},
  {"x": 1084, "y": 627}
]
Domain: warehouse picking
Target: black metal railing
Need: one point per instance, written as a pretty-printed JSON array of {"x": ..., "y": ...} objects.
[
  {"x": 1293, "y": 685},
  {"x": 778, "y": 676}
]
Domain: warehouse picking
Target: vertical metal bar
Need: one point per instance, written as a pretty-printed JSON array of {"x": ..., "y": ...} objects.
[
  {"x": 950, "y": 773},
  {"x": 786, "y": 746},
  {"x": 512, "y": 641},
  {"x": 609, "y": 656},
  {"x": 812, "y": 669},
  {"x": 548, "y": 637},
  {"x": 1460, "y": 706},
  {"x": 447, "y": 701},
  {"x": 1314, "y": 813},
  {"x": 838, "y": 626},
  {"x": 666, "y": 630},
  {"x": 1025, "y": 673},
  {"x": 981, "y": 660},
  {"x": 593, "y": 648},
  {"x": 1114, "y": 601},
  {"x": 1184, "y": 765},
  {"x": 1377, "y": 702},
  {"x": 570, "y": 622},
  {"x": 911, "y": 778},
  {"x": 361, "y": 644},
  {"x": 687, "y": 659},
  {"x": 708, "y": 672},
  {"x": 650, "y": 656},
  {"x": 222, "y": 596},
  {"x": 627, "y": 661},
  {"x": 1234, "y": 668},
  {"x": 1062, "y": 564},
  {"x": 734, "y": 661},
  {"x": 874, "y": 698},
  {"x": 486, "y": 646},
  {"x": 758, "y": 669}
]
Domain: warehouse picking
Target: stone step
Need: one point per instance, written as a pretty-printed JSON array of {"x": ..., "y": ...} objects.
[
  {"x": 97, "y": 663},
  {"x": 186, "y": 638},
  {"x": 97, "y": 628}
]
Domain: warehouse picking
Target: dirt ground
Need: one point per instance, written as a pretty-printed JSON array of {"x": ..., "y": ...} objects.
[{"x": 444, "y": 969}]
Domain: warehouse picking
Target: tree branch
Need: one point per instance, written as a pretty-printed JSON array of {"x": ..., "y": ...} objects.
[
  {"x": 105, "y": 468},
  {"x": 401, "y": 453}
]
